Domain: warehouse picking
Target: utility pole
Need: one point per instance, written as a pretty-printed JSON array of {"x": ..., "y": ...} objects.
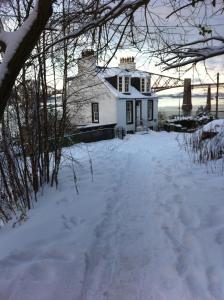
[
  {"x": 217, "y": 98},
  {"x": 187, "y": 103},
  {"x": 208, "y": 104}
]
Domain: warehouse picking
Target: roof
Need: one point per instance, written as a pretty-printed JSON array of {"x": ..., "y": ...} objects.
[
  {"x": 104, "y": 73},
  {"x": 114, "y": 71},
  {"x": 133, "y": 93}
]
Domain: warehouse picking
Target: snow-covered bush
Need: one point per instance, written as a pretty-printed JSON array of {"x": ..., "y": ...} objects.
[{"x": 207, "y": 143}]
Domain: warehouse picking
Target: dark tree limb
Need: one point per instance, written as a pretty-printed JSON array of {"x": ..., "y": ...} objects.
[{"x": 22, "y": 52}]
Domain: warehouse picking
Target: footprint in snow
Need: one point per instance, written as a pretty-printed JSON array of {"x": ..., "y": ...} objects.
[
  {"x": 215, "y": 282},
  {"x": 62, "y": 200},
  {"x": 71, "y": 222},
  {"x": 219, "y": 237},
  {"x": 189, "y": 218},
  {"x": 177, "y": 198},
  {"x": 38, "y": 271},
  {"x": 214, "y": 217},
  {"x": 182, "y": 264},
  {"x": 176, "y": 186}
]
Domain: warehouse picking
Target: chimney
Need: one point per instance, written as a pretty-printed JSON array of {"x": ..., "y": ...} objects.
[
  {"x": 87, "y": 62},
  {"x": 127, "y": 63}
]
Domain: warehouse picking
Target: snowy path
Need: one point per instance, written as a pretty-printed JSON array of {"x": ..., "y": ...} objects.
[{"x": 150, "y": 226}]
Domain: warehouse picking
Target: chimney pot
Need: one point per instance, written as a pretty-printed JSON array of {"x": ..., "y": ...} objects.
[{"x": 127, "y": 63}]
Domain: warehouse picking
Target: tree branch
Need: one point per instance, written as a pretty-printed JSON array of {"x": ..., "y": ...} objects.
[
  {"x": 19, "y": 45},
  {"x": 114, "y": 12}
]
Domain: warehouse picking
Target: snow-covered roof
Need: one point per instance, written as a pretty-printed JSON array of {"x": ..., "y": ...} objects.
[
  {"x": 114, "y": 71},
  {"x": 133, "y": 92},
  {"x": 104, "y": 73}
]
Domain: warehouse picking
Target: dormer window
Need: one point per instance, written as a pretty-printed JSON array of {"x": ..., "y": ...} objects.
[
  {"x": 123, "y": 84},
  {"x": 145, "y": 84}
]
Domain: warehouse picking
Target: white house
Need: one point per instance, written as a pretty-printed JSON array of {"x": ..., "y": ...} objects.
[{"x": 118, "y": 96}]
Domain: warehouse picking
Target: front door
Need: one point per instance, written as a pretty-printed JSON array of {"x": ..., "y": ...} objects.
[{"x": 138, "y": 113}]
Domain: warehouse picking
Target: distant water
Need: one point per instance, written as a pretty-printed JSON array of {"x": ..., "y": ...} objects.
[{"x": 170, "y": 105}]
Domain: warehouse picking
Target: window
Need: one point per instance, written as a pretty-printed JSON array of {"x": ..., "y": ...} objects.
[
  {"x": 95, "y": 112},
  {"x": 120, "y": 85},
  {"x": 123, "y": 84},
  {"x": 150, "y": 110},
  {"x": 148, "y": 84},
  {"x": 126, "y": 84},
  {"x": 142, "y": 87},
  {"x": 129, "y": 112}
]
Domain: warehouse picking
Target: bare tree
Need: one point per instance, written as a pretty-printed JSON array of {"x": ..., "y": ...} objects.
[{"x": 88, "y": 17}]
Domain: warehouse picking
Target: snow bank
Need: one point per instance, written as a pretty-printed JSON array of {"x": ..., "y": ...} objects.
[
  {"x": 215, "y": 126},
  {"x": 214, "y": 145}
]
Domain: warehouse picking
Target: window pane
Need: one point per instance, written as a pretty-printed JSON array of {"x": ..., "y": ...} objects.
[
  {"x": 120, "y": 84},
  {"x": 126, "y": 86},
  {"x": 142, "y": 85},
  {"x": 95, "y": 112},
  {"x": 148, "y": 83},
  {"x": 150, "y": 110},
  {"x": 129, "y": 112}
]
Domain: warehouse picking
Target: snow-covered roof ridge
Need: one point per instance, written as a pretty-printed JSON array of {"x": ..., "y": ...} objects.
[{"x": 114, "y": 71}]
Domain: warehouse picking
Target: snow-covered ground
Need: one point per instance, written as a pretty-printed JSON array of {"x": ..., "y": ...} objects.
[{"x": 149, "y": 226}]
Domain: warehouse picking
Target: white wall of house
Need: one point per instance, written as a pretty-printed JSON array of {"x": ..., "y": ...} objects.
[{"x": 88, "y": 89}]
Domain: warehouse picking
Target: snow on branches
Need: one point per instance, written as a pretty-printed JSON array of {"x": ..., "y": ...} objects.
[
  {"x": 17, "y": 46},
  {"x": 194, "y": 14},
  {"x": 191, "y": 53}
]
